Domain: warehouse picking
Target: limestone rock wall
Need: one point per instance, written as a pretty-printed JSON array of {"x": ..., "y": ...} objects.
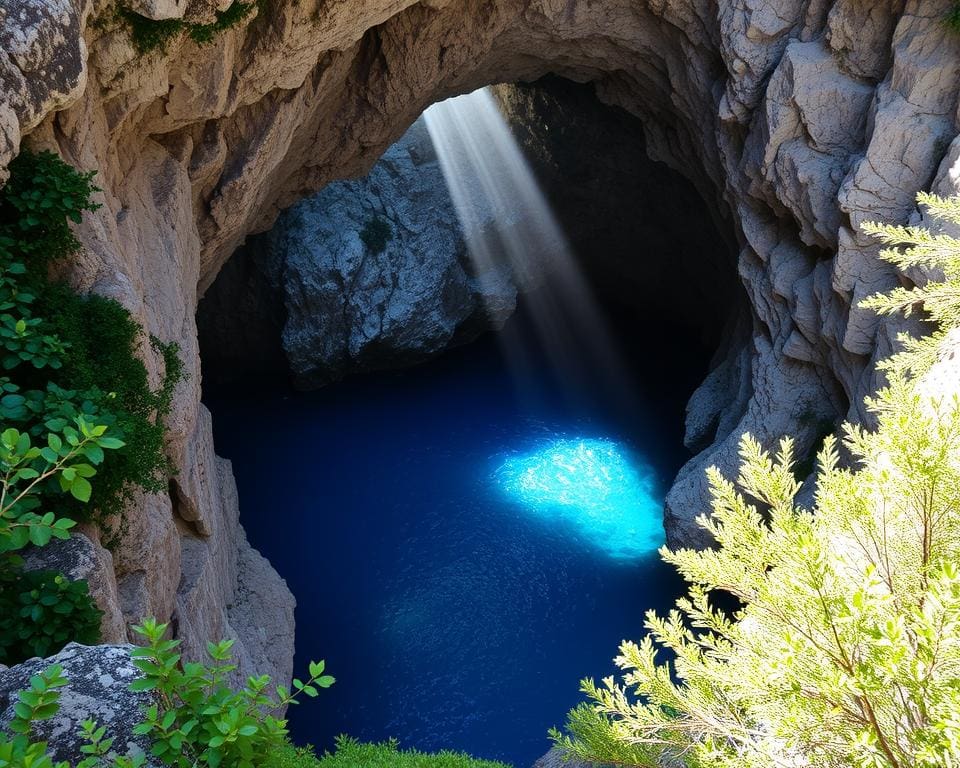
[
  {"x": 349, "y": 306},
  {"x": 798, "y": 119}
]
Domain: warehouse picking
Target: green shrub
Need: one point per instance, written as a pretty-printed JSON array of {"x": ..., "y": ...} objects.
[
  {"x": 42, "y": 611},
  {"x": 62, "y": 463},
  {"x": 353, "y": 754},
  {"x": 846, "y": 648},
  {"x": 40, "y": 200},
  {"x": 196, "y": 720},
  {"x": 376, "y": 233},
  {"x": 76, "y": 403},
  {"x": 199, "y": 720}
]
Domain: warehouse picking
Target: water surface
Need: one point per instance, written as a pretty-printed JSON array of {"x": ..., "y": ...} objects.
[{"x": 462, "y": 550}]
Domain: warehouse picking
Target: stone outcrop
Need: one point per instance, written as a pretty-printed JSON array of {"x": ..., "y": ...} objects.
[
  {"x": 98, "y": 689},
  {"x": 312, "y": 297},
  {"x": 352, "y": 306},
  {"x": 797, "y": 119}
]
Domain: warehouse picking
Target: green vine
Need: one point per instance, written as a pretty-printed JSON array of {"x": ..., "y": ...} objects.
[{"x": 75, "y": 403}]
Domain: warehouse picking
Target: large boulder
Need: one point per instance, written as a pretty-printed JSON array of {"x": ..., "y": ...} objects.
[
  {"x": 99, "y": 690},
  {"x": 359, "y": 300}
]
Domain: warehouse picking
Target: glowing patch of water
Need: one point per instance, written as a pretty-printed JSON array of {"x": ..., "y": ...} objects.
[{"x": 592, "y": 485}]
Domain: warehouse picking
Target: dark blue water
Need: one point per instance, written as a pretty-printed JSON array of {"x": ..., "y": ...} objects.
[{"x": 458, "y": 603}]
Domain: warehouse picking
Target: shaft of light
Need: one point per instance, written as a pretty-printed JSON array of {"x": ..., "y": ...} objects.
[{"x": 511, "y": 232}]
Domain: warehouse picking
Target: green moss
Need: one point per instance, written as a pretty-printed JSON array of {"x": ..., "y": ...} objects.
[
  {"x": 353, "y": 754},
  {"x": 150, "y": 34},
  {"x": 103, "y": 364},
  {"x": 952, "y": 19},
  {"x": 154, "y": 35},
  {"x": 376, "y": 233},
  {"x": 204, "y": 33}
]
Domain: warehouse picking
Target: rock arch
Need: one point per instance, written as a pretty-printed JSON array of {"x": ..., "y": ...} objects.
[{"x": 797, "y": 119}]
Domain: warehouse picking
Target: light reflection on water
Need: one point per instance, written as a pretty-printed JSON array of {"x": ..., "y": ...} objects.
[{"x": 595, "y": 488}]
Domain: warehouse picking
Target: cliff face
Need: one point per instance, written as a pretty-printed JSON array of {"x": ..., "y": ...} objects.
[
  {"x": 371, "y": 273},
  {"x": 315, "y": 298},
  {"x": 797, "y": 119}
]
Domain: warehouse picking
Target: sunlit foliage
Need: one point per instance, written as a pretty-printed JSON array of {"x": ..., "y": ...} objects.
[{"x": 844, "y": 645}]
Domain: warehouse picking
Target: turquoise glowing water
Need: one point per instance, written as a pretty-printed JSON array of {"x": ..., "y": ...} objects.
[
  {"x": 462, "y": 555},
  {"x": 595, "y": 488}
]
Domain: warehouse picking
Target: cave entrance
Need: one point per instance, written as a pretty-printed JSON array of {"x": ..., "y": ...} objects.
[{"x": 469, "y": 536}]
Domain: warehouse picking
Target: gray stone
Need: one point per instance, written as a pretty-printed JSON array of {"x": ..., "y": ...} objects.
[
  {"x": 99, "y": 679},
  {"x": 78, "y": 558},
  {"x": 351, "y": 307}
]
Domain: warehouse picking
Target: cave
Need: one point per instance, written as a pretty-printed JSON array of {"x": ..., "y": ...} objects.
[
  {"x": 403, "y": 433},
  {"x": 712, "y": 164}
]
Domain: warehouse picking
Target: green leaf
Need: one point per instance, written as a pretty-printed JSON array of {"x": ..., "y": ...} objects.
[{"x": 80, "y": 489}]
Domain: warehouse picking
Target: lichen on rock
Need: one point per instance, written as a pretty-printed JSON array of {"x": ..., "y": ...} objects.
[{"x": 98, "y": 689}]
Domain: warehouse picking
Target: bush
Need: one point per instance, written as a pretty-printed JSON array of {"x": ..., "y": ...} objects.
[
  {"x": 199, "y": 720},
  {"x": 41, "y": 198},
  {"x": 376, "y": 233},
  {"x": 42, "y": 611},
  {"x": 845, "y": 650},
  {"x": 196, "y": 719},
  {"x": 77, "y": 403},
  {"x": 353, "y": 754}
]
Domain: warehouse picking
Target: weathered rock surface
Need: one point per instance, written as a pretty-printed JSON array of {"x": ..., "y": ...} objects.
[
  {"x": 82, "y": 558},
  {"x": 99, "y": 679},
  {"x": 200, "y": 146},
  {"x": 311, "y": 296},
  {"x": 351, "y": 306},
  {"x": 554, "y": 759}
]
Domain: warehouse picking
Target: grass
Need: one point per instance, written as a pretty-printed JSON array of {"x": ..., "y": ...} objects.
[{"x": 352, "y": 754}]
